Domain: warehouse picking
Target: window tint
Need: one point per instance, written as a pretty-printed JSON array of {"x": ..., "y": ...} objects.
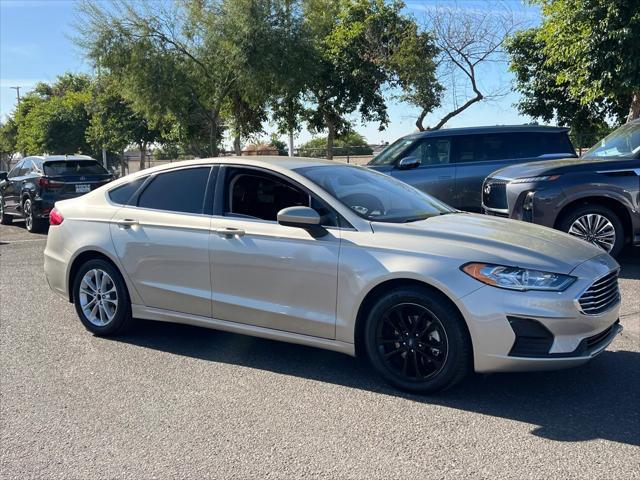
[
  {"x": 432, "y": 151},
  {"x": 177, "y": 191},
  {"x": 15, "y": 171},
  {"x": 482, "y": 148},
  {"x": 535, "y": 144},
  {"x": 374, "y": 196},
  {"x": 25, "y": 169},
  {"x": 123, "y": 193},
  {"x": 73, "y": 167},
  {"x": 257, "y": 195}
]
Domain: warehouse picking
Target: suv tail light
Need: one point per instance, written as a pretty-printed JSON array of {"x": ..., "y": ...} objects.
[
  {"x": 55, "y": 217},
  {"x": 48, "y": 183}
]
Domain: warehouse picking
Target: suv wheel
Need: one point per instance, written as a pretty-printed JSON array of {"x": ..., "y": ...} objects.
[
  {"x": 417, "y": 341},
  {"x": 33, "y": 224},
  {"x": 101, "y": 299},
  {"x": 5, "y": 219},
  {"x": 595, "y": 224}
]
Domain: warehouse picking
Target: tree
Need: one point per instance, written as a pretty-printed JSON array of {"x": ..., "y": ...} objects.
[
  {"x": 114, "y": 124},
  {"x": 349, "y": 143},
  {"x": 466, "y": 41},
  {"x": 205, "y": 63},
  {"x": 53, "y": 117},
  {"x": 546, "y": 99},
  {"x": 352, "y": 41},
  {"x": 8, "y": 134},
  {"x": 582, "y": 60}
]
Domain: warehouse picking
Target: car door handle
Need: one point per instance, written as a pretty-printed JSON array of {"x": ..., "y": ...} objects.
[
  {"x": 229, "y": 232},
  {"x": 126, "y": 222}
]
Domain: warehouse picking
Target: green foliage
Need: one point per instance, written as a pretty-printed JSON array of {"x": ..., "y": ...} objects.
[
  {"x": 582, "y": 65},
  {"x": 114, "y": 124},
  {"x": 357, "y": 46},
  {"x": 349, "y": 143},
  {"x": 279, "y": 144},
  {"x": 8, "y": 136},
  {"x": 53, "y": 118}
]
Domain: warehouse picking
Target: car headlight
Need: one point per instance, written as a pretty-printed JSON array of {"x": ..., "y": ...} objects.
[
  {"x": 544, "y": 178},
  {"x": 516, "y": 278}
]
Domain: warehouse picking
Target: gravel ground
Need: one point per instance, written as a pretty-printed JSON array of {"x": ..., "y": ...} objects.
[{"x": 170, "y": 401}]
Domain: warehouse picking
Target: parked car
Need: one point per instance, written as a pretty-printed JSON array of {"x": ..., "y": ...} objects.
[
  {"x": 333, "y": 256},
  {"x": 451, "y": 164},
  {"x": 596, "y": 197},
  {"x": 31, "y": 188}
]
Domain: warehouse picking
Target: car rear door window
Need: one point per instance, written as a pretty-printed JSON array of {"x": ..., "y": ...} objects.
[
  {"x": 122, "y": 194},
  {"x": 177, "y": 191},
  {"x": 481, "y": 148}
]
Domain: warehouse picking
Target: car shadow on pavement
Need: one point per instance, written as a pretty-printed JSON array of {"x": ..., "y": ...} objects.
[
  {"x": 594, "y": 401},
  {"x": 630, "y": 262}
]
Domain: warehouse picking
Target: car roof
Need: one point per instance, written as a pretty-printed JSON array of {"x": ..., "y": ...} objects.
[
  {"x": 285, "y": 163},
  {"x": 54, "y": 158},
  {"x": 483, "y": 130}
]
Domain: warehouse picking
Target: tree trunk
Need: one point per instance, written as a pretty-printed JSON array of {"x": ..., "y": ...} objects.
[
  {"x": 291, "y": 143},
  {"x": 331, "y": 135},
  {"x": 420, "y": 119},
  {"x": 143, "y": 154},
  {"x": 213, "y": 133},
  {"x": 123, "y": 168},
  {"x": 634, "y": 108},
  {"x": 236, "y": 145}
]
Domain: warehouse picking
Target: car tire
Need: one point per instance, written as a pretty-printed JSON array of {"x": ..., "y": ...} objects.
[
  {"x": 110, "y": 312},
  {"x": 417, "y": 340},
  {"x": 5, "y": 219},
  {"x": 576, "y": 220},
  {"x": 32, "y": 223}
]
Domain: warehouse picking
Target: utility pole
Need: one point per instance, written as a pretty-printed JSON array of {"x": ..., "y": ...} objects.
[{"x": 17, "y": 89}]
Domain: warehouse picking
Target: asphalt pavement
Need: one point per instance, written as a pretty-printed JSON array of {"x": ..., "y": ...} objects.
[{"x": 173, "y": 401}]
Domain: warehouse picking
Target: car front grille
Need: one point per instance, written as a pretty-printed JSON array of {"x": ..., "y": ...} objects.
[
  {"x": 494, "y": 193},
  {"x": 601, "y": 295}
]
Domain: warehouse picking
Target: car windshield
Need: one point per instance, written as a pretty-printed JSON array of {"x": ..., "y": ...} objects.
[
  {"x": 73, "y": 167},
  {"x": 375, "y": 196},
  {"x": 623, "y": 142},
  {"x": 389, "y": 154}
]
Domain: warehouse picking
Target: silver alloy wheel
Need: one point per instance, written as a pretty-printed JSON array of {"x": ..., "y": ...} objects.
[
  {"x": 98, "y": 297},
  {"x": 28, "y": 214},
  {"x": 595, "y": 228}
]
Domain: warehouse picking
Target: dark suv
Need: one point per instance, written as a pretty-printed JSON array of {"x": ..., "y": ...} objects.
[
  {"x": 451, "y": 164},
  {"x": 596, "y": 197},
  {"x": 36, "y": 183}
]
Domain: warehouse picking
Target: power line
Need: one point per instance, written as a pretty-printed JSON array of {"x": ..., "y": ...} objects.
[{"x": 17, "y": 89}]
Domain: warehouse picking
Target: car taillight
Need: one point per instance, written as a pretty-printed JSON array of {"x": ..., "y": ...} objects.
[
  {"x": 48, "y": 183},
  {"x": 55, "y": 217}
]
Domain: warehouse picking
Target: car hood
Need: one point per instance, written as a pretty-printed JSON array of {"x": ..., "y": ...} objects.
[
  {"x": 550, "y": 167},
  {"x": 470, "y": 237}
]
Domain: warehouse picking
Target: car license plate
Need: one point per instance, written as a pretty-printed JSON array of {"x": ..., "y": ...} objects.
[{"x": 83, "y": 188}]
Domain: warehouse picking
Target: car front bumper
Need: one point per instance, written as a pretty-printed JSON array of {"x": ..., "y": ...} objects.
[{"x": 572, "y": 337}]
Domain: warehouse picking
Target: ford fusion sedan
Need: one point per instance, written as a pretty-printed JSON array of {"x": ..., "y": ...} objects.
[
  {"x": 337, "y": 257},
  {"x": 596, "y": 197},
  {"x": 32, "y": 187}
]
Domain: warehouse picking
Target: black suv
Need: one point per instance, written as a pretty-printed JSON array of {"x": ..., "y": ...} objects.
[
  {"x": 451, "y": 164},
  {"x": 36, "y": 183},
  {"x": 596, "y": 197}
]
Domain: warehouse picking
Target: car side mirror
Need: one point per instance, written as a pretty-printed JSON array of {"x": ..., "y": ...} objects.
[
  {"x": 301, "y": 217},
  {"x": 3, "y": 176},
  {"x": 408, "y": 162}
]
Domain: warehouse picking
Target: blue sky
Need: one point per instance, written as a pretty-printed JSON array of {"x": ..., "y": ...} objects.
[{"x": 36, "y": 45}]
